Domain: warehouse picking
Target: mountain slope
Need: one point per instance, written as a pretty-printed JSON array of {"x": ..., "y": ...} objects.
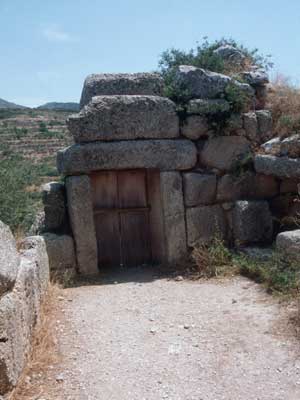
[
  {"x": 60, "y": 106},
  {"x": 7, "y": 104}
]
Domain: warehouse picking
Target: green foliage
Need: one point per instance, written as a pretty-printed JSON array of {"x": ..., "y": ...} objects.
[
  {"x": 16, "y": 204},
  {"x": 237, "y": 98},
  {"x": 279, "y": 275}
]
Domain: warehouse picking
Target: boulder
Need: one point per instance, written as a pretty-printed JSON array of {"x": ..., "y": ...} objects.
[
  {"x": 195, "y": 127},
  {"x": 282, "y": 167},
  {"x": 124, "y": 117},
  {"x": 61, "y": 251},
  {"x": 9, "y": 259},
  {"x": 199, "y": 189},
  {"x": 252, "y": 222},
  {"x": 250, "y": 126},
  {"x": 201, "y": 83},
  {"x": 225, "y": 152},
  {"x": 272, "y": 147},
  {"x": 256, "y": 78},
  {"x": 265, "y": 124},
  {"x": 149, "y": 84},
  {"x": 291, "y": 146},
  {"x": 156, "y": 154},
  {"x": 204, "y": 223},
  {"x": 80, "y": 207},
  {"x": 289, "y": 244},
  {"x": 229, "y": 53},
  {"x": 207, "y": 107},
  {"x": 53, "y": 195}
]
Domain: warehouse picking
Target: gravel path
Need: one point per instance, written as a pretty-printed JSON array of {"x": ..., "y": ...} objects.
[{"x": 146, "y": 339}]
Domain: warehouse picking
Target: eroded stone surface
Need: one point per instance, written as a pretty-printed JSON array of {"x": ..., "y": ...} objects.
[
  {"x": 157, "y": 154},
  {"x": 206, "y": 107},
  {"x": 199, "y": 188},
  {"x": 252, "y": 222},
  {"x": 61, "y": 251},
  {"x": 53, "y": 195},
  {"x": 289, "y": 243},
  {"x": 282, "y": 167},
  {"x": 204, "y": 223},
  {"x": 150, "y": 84},
  {"x": 80, "y": 207},
  {"x": 125, "y": 117},
  {"x": 194, "y": 127},
  {"x": 9, "y": 259}
]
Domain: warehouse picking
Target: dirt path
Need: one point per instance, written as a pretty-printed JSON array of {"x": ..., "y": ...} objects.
[{"x": 146, "y": 339}]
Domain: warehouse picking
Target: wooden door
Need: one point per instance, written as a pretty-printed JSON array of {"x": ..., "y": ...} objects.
[{"x": 121, "y": 210}]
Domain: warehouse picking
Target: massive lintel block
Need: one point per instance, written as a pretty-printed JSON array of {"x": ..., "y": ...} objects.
[
  {"x": 151, "y": 154},
  {"x": 125, "y": 117},
  {"x": 114, "y": 84}
]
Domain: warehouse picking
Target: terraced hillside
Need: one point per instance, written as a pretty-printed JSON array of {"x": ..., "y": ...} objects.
[{"x": 35, "y": 135}]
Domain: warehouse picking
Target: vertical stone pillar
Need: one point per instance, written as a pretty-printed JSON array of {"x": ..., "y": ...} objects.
[
  {"x": 80, "y": 208},
  {"x": 173, "y": 216}
]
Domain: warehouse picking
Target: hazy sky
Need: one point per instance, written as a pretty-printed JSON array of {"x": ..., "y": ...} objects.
[{"x": 48, "y": 47}]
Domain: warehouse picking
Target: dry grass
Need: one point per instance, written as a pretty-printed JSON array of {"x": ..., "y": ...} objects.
[
  {"x": 43, "y": 349},
  {"x": 284, "y": 102}
]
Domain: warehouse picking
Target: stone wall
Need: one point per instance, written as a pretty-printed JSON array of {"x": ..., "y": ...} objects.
[
  {"x": 24, "y": 278},
  {"x": 206, "y": 148}
]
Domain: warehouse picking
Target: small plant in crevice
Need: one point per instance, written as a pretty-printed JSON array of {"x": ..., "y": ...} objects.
[{"x": 242, "y": 165}]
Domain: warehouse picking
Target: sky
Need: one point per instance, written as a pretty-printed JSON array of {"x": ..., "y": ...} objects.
[{"x": 47, "y": 48}]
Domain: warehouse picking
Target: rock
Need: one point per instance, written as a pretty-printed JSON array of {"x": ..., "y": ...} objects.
[
  {"x": 149, "y": 84},
  {"x": 156, "y": 154},
  {"x": 9, "y": 259},
  {"x": 80, "y": 207},
  {"x": 61, "y": 251},
  {"x": 33, "y": 249},
  {"x": 206, "y": 107},
  {"x": 289, "y": 186},
  {"x": 53, "y": 195},
  {"x": 260, "y": 254},
  {"x": 199, "y": 189},
  {"x": 289, "y": 244},
  {"x": 256, "y": 78},
  {"x": 195, "y": 127},
  {"x": 265, "y": 124},
  {"x": 125, "y": 117},
  {"x": 252, "y": 222},
  {"x": 246, "y": 186},
  {"x": 173, "y": 217},
  {"x": 272, "y": 147},
  {"x": 234, "y": 123},
  {"x": 229, "y": 53},
  {"x": 261, "y": 94},
  {"x": 204, "y": 223},
  {"x": 282, "y": 167},
  {"x": 291, "y": 146},
  {"x": 225, "y": 152},
  {"x": 201, "y": 83},
  {"x": 39, "y": 225},
  {"x": 251, "y": 126}
]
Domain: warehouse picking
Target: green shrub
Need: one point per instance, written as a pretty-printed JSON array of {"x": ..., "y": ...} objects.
[{"x": 16, "y": 204}]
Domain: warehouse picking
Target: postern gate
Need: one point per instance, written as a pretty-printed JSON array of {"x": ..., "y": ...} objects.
[{"x": 143, "y": 187}]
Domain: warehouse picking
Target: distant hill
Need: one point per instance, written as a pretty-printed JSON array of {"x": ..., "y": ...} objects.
[
  {"x": 60, "y": 106},
  {"x": 7, "y": 104}
]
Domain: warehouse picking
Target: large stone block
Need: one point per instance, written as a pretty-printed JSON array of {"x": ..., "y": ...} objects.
[
  {"x": 265, "y": 124},
  {"x": 173, "y": 217},
  {"x": 156, "y": 154},
  {"x": 149, "y": 84},
  {"x": 80, "y": 207},
  {"x": 199, "y": 189},
  {"x": 204, "y": 223},
  {"x": 290, "y": 146},
  {"x": 207, "y": 107},
  {"x": 289, "y": 244},
  {"x": 251, "y": 127},
  {"x": 53, "y": 195},
  {"x": 9, "y": 259},
  {"x": 195, "y": 127},
  {"x": 252, "y": 222},
  {"x": 125, "y": 117},
  {"x": 282, "y": 167},
  {"x": 61, "y": 251},
  {"x": 225, "y": 152}
]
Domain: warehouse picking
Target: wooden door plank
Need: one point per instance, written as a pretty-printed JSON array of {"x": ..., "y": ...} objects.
[
  {"x": 105, "y": 191},
  {"x": 135, "y": 239},
  {"x": 132, "y": 189},
  {"x": 108, "y": 239}
]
